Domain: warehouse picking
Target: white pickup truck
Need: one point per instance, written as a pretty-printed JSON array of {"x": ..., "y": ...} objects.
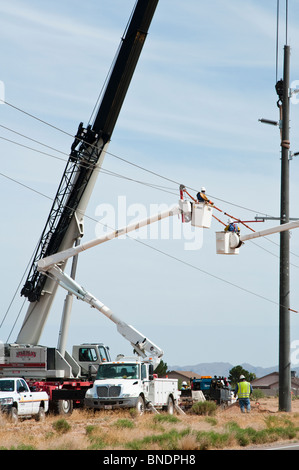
[
  {"x": 17, "y": 400},
  {"x": 130, "y": 383}
]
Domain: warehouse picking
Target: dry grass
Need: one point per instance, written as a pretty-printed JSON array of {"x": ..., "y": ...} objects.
[{"x": 113, "y": 430}]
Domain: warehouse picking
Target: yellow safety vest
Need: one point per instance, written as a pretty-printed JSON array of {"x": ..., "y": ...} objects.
[{"x": 243, "y": 389}]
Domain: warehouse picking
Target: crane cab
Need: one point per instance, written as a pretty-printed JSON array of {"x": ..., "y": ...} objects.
[{"x": 89, "y": 356}]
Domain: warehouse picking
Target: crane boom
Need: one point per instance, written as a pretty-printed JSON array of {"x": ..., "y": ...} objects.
[{"x": 65, "y": 222}]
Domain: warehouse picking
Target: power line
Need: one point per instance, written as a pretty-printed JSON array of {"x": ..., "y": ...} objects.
[
  {"x": 158, "y": 175},
  {"x": 162, "y": 252},
  {"x": 108, "y": 172},
  {"x": 35, "y": 117},
  {"x": 177, "y": 183},
  {"x": 114, "y": 174}
]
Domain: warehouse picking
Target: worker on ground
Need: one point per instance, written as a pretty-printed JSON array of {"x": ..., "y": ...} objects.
[
  {"x": 184, "y": 386},
  {"x": 243, "y": 390},
  {"x": 202, "y": 197},
  {"x": 232, "y": 227}
]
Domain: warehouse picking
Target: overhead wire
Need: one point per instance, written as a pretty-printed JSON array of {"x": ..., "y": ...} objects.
[
  {"x": 111, "y": 67},
  {"x": 169, "y": 256},
  {"x": 158, "y": 175},
  {"x": 117, "y": 157},
  {"x": 277, "y": 36},
  {"x": 115, "y": 174},
  {"x": 121, "y": 176}
]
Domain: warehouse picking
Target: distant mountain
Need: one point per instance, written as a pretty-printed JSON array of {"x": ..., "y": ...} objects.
[{"x": 223, "y": 368}]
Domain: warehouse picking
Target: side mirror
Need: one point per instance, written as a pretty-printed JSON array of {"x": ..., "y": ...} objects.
[{"x": 151, "y": 372}]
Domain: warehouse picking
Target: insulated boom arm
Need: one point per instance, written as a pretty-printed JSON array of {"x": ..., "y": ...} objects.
[
  {"x": 45, "y": 263},
  {"x": 49, "y": 266},
  {"x": 269, "y": 231},
  {"x": 140, "y": 343}
]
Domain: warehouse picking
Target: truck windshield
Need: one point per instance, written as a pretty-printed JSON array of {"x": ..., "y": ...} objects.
[
  {"x": 6, "y": 385},
  {"x": 118, "y": 371},
  {"x": 104, "y": 353}
]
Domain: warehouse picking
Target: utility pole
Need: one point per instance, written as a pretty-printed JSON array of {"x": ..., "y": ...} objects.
[{"x": 284, "y": 279}]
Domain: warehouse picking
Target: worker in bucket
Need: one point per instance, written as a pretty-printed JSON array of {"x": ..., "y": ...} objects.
[
  {"x": 202, "y": 197},
  {"x": 184, "y": 386},
  {"x": 243, "y": 390},
  {"x": 232, "y": 227}
]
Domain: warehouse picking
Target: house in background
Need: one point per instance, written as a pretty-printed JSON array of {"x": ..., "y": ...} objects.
[
  {"x": 269, "y": 384},
  {"x": 183, "y": 375}
]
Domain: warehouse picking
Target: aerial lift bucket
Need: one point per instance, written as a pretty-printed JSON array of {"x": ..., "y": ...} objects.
[
  {"x": 201, "y": 214},
  {"x": 227, "y": 243}
]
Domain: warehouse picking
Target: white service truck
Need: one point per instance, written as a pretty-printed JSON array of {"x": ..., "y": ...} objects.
[
  {"x": 130, "y": 383},
  {"x": 17, "y": 400}
]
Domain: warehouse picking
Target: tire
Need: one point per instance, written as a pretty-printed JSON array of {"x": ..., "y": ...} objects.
[
  {"x": 140, "y": 406},
  {"x": 62, "y": 407},
  {"x": 13, "y": 415},
  {"x": 41, "y": 415},
  {"x": 170, "y": 406}
]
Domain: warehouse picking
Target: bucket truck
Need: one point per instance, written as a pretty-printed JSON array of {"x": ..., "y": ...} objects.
[
  {"x": 53, "y": 368},
  {"x": 229, "y": 242},
  {"x": 128, "y": 381}
]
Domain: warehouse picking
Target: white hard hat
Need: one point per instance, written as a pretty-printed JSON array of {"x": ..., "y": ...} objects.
[
  {"x": 242, "y": 377},
  {"x": 203, "y": 188},
  {"x": 184, "y": 383}
]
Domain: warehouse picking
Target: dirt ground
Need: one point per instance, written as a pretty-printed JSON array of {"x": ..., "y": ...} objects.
[
  {"x": 118, "y": 430},
  {"x": 264, "y": 405}
]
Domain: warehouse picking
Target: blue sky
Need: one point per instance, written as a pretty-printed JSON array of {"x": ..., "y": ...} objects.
[{"x": 205, "y": 77}]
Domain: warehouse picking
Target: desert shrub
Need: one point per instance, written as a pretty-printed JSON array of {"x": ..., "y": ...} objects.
[
  {"x": 204, "y": 408},
  {"x": 61, "y": 426},
  {"x": 124, "y": 423},
  {"x": 257, "y": 394},
  {"x": 166, "y": 418},
  {"x": 166, "y": 441},
  {"x": 211, "y": 439}
]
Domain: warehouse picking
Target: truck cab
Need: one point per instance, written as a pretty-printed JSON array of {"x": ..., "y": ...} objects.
[
  {"x": 89, "y": 356},
  {"x": 17, "y": 400},
  {"x": 130, "y": 383}
]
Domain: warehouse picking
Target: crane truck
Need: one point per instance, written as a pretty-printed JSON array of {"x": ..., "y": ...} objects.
[
  {"x": 54, "y": 369},
  {"x": 127, "y": 382}
]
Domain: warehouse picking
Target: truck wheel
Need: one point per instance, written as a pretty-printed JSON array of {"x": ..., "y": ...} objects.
[
  {"x": 62, "y": 407},
  {"x": 13, "y": 415},
  {"x": 40, "y": 415},
  {"x": 140, "y": 406},
  {"x": 170, "y": 406}
]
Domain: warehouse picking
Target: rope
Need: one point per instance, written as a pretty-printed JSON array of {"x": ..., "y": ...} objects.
[{"x": 220, "y": 210}]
